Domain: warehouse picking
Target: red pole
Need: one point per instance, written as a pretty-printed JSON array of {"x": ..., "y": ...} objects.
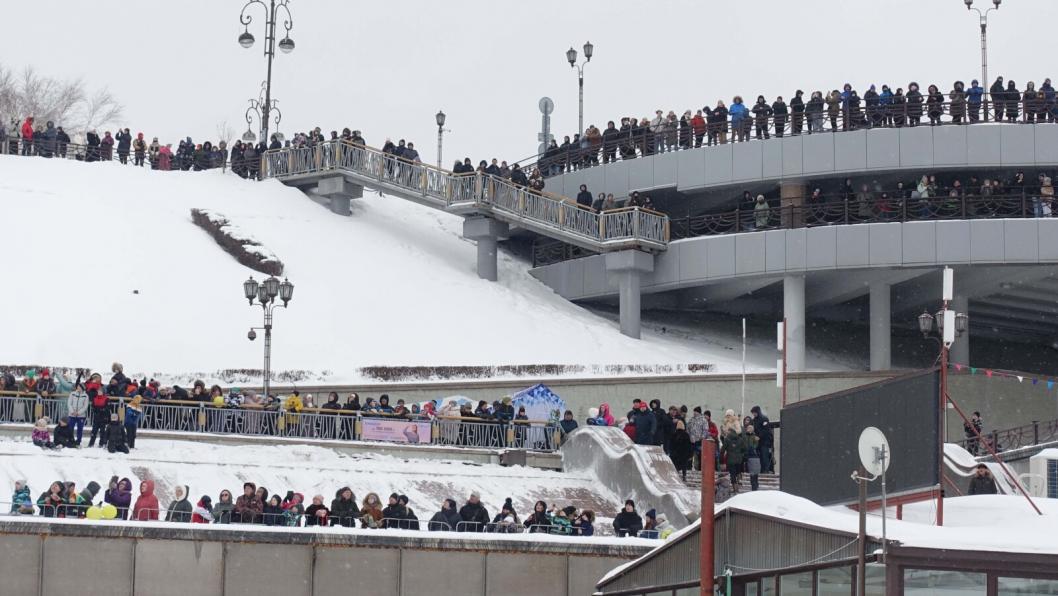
[
  {"x": 706, "y": 542},
  {"x": 941, "y": 439}
]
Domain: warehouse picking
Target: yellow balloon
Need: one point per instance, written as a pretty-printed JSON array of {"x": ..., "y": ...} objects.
[
  {"x": 94, "y": 513},
  {"x": 109, "y": 511},
  {"x": 218, "y": 401}
]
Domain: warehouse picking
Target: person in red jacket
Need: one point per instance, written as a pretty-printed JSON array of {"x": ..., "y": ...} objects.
[
  {"x": 146, "y": 507},
  {"x": 27, "y": 136}
]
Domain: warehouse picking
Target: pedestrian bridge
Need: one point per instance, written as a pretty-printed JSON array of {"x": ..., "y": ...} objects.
[{"x": 340, "y": 170}]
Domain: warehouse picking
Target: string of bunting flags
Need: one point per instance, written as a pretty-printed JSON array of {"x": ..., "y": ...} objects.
[{"x": 988, "y": 372}]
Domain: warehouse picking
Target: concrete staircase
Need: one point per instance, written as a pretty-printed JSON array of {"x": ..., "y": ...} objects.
[{"x": 765, "y": 481}]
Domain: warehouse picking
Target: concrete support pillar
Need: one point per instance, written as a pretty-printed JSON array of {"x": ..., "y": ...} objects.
[
  {"x": 881, "y": 325},
  {"x": 960, "y": 350},
  {"x": 486, "y": 232},
  {"x": 628, "y": 267},
  {"x": 339, "y": 191},
  {"x": 792, "y": 194},
  {"x": 793, "y": 307}
]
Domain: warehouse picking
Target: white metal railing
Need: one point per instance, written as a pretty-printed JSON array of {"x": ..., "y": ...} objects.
[{"x": 491, "y": 194}]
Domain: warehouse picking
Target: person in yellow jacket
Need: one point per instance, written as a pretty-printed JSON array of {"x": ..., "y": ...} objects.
[{"x": 292, "y": 406}]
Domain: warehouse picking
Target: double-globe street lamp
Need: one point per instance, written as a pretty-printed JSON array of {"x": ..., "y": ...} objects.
[
  {"x": 286, "y": 45},
  {"x": 257, "y": 109},
  {"x": 984, "y": 46},
  {"x": 950, "y": 326},
  {"x": 571, "y": 57},
  {"x": 266, "y": 293}
]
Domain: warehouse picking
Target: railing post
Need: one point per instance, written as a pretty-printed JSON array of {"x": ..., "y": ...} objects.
[
  {"x": 1035, "y": 432},
  {"x": 903, "y": 209},
  {"x": 995, "y": 440},
  {"x": 38, "y": 409},
  {"x": 846, "y": 207},
  {"x": 738, "y": 222},
  {"x": 201, "y": 417},
  {"x": 635, "y": 223}
]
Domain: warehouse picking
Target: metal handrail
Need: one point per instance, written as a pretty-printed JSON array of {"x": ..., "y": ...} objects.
[
  {"x": 481, "y": 192},
  {"x": 1026, "y": 203},
  {"x": 88, "y": 153},
  {"x": 317, "y": 423},
  {"x": 1008, "y": 439}
]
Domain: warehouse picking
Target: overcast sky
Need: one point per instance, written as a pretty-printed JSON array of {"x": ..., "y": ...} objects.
[{"x": 387, "y": 67}]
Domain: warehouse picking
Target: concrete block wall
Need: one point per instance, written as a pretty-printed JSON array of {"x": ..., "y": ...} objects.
[{"x": 44, "y": 559}]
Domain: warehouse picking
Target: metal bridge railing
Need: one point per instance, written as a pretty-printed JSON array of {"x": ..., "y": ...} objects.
[
  {"x": 314, "y": 423},
  {"x": 487, "y": 193}
]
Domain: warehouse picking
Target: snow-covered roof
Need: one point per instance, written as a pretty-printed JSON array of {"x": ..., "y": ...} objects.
[{"x": 989, "y": 523}]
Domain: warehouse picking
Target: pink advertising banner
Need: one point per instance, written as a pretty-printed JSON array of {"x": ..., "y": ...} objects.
[{"x": 394, "y": 431}]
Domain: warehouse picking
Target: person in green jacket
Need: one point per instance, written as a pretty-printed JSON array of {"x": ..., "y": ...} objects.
[{"x": 734, "y": 449}]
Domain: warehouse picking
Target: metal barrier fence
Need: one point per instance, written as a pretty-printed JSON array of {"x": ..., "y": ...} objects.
[
  {"x": 97, "y": 153},
  {"x": 676, "y": 135},
  {"x": 314, "y": 423},
  {"x": 1026, "y": 203},
  {"x": 288, "y": 519},
  {"x": 1014, "y": 438},
  {"x": 490, "y": 193}
]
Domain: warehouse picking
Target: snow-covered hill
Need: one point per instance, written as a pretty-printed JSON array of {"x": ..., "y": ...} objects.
[{"x": 102, "y": 263}]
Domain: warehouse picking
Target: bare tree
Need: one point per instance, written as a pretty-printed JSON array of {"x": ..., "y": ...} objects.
[
  {"x": 100, "y": 109},
  {"x": 65, "y": 102},
  {"x": 225, "y": 132}
]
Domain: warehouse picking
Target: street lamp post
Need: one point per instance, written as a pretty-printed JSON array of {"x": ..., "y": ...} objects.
[
  {"x": 266, "y": 293},
  {"x": 440, "y": 117},
  {"x": 286, "y": 45},
  {"x": 950, "y": 325},
  {"x": 571, "y": 57},
  {"x": 984, "y": 46},
  {"x": 257, "y": 108}
]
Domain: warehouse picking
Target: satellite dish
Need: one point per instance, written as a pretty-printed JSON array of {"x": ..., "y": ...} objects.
[
  {"x": 546, "y": 105},
  {"x": 872, "y": 446}
]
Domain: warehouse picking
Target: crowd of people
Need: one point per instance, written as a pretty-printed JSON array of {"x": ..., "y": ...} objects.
[
  {"x": 255, "y": 505},
  {"x": 836, "y": 110},
  {"x": 743, "y": 446},
  {"x": 929, "y": 196},
  {"x": 116, "y": 410}
]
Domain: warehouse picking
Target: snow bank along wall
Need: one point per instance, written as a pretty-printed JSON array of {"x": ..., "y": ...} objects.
[{"x": 52, "y": 559}]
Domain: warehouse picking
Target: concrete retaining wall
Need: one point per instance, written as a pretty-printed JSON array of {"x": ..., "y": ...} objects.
[{"x": 62, "y": 558}]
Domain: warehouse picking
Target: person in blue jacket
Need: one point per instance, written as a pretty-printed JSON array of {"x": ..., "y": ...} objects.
[
  {"x": 133, "y": 414},
  {"x": 974, "y": 95},
  {"x": 1049, "y": 100},
  {"x": 739, "y": 119},
  {"x": 885, "y": 101}
]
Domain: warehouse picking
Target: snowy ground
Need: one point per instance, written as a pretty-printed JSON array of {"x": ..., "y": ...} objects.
[
  {"x": 307, "y": 469},
  {"x": 105, "y": 265}
]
